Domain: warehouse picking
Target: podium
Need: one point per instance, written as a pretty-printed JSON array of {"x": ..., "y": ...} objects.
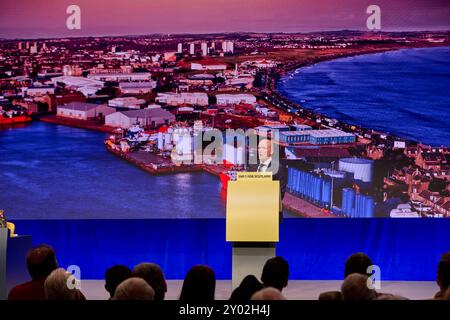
[
  {"x": 3, "y": 243},
  {"x": 252, "y": 222}
]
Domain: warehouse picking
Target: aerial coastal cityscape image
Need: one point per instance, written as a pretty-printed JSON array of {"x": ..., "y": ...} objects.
[{"x": 105, "y": 106}]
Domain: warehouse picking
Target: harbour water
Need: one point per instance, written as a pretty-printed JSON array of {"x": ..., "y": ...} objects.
[
  {"x": 50, "y": 171},
  {"x": 404, "y": 92}
]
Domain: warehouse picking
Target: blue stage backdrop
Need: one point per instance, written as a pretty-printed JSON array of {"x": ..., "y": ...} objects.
[{"x": 316, "y": 249}]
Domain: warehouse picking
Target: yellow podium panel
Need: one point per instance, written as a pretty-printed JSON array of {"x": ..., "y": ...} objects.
[{"x": 253, "y": 203}]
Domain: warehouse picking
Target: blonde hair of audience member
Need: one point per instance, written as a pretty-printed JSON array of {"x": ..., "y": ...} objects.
[
  {"x": 390, "y": 297},
  {"x": 355, "y": 287},
  {"x": 268, "y": 293},
  {"x": 56, "y": 286},
  {"x": 134, "y": 289}
]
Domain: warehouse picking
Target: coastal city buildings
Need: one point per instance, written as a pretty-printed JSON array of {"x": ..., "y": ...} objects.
[
  {"x": 325, "y": 136},
  {"x": 154, "y": 94},
  {"x": 127, "y": 102}
]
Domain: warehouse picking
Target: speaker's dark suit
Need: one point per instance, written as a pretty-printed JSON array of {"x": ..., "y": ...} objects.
[{"x": 281, "y": 175}]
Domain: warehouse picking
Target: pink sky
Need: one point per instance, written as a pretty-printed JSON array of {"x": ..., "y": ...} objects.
[{"x": 46, "y": 18}]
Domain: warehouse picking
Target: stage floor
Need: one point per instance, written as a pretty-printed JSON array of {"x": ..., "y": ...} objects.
[{"x": 296, "y": 290}]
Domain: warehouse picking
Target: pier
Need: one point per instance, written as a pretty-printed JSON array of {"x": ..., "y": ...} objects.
[{"x": 157, "y": 165}]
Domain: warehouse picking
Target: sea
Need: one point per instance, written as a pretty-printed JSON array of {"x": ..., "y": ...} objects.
[{"x": 404, "y": 92}]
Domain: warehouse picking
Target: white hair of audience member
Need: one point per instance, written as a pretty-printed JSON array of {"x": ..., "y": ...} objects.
[
  {"x": 268, "y": 293},
  {"x": 447, "y": 294},
  {"x": 386, "y": 296},
  {"x": 134, "y": 289},
  {"x": 355, "y": 287},
  {"x": 59, "y": 286}
]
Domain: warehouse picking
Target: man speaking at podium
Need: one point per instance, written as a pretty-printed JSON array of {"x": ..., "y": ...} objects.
[{"x": 272, "y": 160}]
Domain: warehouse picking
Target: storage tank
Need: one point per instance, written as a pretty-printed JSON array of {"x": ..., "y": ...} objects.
[
  {"x": 290, "y": 180},
  {"x": 326, "y": 193},
  {"x": 167, "y": 140},
  {"x": 183, "y": 141},
  {"x": 291, "y": 183},
  {"x": 335, "y": 174},
  {"x": 344, "y": 200},
  {"x": 361, "y": 168},
  {"x": 317, "y": 191},
  {"x": 359, "y": 206},
  {"x": 233, "y": 155},
  {"x": 296, "y": 181}
]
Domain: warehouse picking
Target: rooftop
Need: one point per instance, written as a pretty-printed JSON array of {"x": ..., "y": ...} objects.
[
  {"x": 302, "y": 126},
  {"x": 235, "y": 95},
  {"x": 153, "y": 112},
  {"x": 202, "y": 76},
  {"x": 128, "y": 99}
]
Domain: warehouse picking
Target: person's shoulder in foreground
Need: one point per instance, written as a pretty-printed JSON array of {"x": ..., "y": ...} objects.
[{"x": 32, "y": 290}]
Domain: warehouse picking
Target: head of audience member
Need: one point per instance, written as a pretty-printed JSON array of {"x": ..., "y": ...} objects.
[
  {"x": 154, "y": 276},
  {"x": 134, "y": 289},
  {"x": 115, "y": 276},
  {"x": 268, "y": 293},
  {"x": 388, "y": 296},
  {"x": 357, "y": 263},
  {"x": 330, "y": 295},
  {"x": 275, "y": 273},
  {"x": 443, "y": 274},
  {"x": 355, "y": 287},
  {"x": 41, "y": 261},
  {"x": 60, "y": 285},
  {"x": 246, "y": 289},
  {"x": 199, "y": 285}
]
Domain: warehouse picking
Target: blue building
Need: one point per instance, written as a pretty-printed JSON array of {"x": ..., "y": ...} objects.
[{"x": 326, "y": 136}]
